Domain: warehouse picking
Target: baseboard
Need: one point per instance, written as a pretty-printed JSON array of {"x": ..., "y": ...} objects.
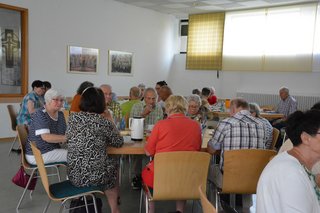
[{"x": 6, "y": 139}]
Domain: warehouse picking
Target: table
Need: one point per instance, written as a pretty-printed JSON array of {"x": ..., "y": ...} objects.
[
  {"x": 137, "y": 147},
  {"x": 268, "y": 116}
]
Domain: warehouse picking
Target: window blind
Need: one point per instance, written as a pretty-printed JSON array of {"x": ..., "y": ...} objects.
[
  {"x": 205, "y": 39},
  {"x": 272, "y": 39}
]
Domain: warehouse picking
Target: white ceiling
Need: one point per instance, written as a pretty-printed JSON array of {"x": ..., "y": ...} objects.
[{"x": 182, "y": 8}]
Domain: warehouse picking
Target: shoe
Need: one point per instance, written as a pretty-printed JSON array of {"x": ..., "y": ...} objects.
[
  {"x": 175, "y": 212},
  {"x": 136, "y": 182}
]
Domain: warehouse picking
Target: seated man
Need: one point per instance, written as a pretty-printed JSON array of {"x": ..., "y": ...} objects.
[
  {"x": 240, "y": 131},
  {"x": 286, "y": 106},
  {"x": 134, "y": 97},
  {"x": 152, "y": 113},
  {"x": 111, "y": 104}
]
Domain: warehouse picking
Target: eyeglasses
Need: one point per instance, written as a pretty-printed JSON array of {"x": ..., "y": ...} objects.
[{"x": 57, "y": 99}]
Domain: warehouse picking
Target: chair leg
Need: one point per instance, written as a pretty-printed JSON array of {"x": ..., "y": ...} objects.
[
  {"x": 12, "y": 145},
  {"x": 120, "y": 169},
  {"x": 25, "y": 189},
  {"x": 141, "y": 197},
  {"x": 94, "y": 203},
  {"x": 58, "y": 173},
  {"x": 147, "y": 204},
  {"x": 47, "y": 206},
  {"x": 217, "y": 201}
]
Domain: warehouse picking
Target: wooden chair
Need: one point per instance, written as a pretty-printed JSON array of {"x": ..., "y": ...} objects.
[
  {"x": 275, "y": 136},
  {"x": 22, "y": 136},
  {"x": 207, "y": 207},
  {"x": 62, "y": 191},
  {"x": 13, "y": 118},
  {"x": 242, "y": 169},
  {"x": 177, "y": 176}
]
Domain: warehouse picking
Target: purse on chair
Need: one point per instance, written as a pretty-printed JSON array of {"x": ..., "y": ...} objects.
[{"x": 21, "y": 179}]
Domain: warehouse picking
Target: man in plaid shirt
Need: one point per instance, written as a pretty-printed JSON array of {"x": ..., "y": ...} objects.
[
  {"x": 286, "y": 106},
  {"x": 240, "y": 131},
  {"x": 152, "y": 113}
]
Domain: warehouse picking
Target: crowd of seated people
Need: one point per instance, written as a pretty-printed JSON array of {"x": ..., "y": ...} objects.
[{"x": 92, "y": 128}]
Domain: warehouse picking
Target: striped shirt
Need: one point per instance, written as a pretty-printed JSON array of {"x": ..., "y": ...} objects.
[
  {"x": 287, "y": 106},
  {"x": 241, "y": 131},
  {"x": 152, "y": 118},
  {"x": 42, "y": 123}
]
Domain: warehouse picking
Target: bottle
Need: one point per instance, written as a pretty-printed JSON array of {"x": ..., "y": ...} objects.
[
  {"x": 122, "y": 124},
  {"x": 222, "y": 107}
]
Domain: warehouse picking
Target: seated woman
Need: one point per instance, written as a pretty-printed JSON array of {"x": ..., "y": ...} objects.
[
  {"x": 195, "y": 111},
  {"x": 47, "y": 129},
  {"x": 255, "y": 112},
  {"x": 89, "y": 134},
  {"x": 31, "y": 102},
  {"x": 176, "y": 133},
  {"x": 76, "y": 99},
  {"x": 289, "y": 183}
]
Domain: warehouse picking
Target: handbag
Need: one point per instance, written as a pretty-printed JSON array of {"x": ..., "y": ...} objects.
[
  {"x": 147, "y": 174},
  {"x": 21, "y": 179},
  {"x": 80, "y": 202}
]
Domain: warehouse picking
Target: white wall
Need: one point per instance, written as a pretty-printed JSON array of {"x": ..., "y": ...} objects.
[
  {"x": 104, "y": 24},
  {"x": 183, "y": 81},
  {"x": 151, "y": 36}
]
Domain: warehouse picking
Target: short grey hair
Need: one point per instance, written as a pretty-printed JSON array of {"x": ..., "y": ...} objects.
[
  {"x": 51, "y": 94},
  {"x": 285, "y": 89},
  {"x": 150, "y": 89},
  {"x": 106, "y": 86},
  {"x": 195, "y": 98},
  {"x": 254, "y": 107}
]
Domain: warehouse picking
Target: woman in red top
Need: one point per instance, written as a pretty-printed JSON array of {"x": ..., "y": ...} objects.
[{"x": 176, "y": 133}]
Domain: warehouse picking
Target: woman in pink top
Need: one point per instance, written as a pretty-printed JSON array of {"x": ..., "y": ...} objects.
[{"x": 176, "y": 133}]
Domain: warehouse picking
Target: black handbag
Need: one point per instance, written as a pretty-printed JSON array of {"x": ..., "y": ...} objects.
[{"x": 80, "y": 202}]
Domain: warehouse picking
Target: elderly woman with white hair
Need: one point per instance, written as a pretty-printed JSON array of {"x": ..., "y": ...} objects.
[
  {"x": 47, "y": 129},
  {"x": 195, "y": 110},
  {"x": 255, "y": 112}
]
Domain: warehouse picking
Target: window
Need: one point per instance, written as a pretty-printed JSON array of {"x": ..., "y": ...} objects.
[
  {"x": 272, "y": 39},
  {"x": 204, "y": 51}
]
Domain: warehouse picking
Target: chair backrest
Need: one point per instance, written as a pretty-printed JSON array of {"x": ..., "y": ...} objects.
[
  {"x": 177, "y": 175},
  {"x": 275, "y": 135},
  {"x": 242, "y": 169},
  {"x": 66, "y": 114},
  {"x": 207, "y": 207},
  {"x": 23, "y": 137},
  {"x": 13, "y": 116},
  {"x": 41, "y": 168}
]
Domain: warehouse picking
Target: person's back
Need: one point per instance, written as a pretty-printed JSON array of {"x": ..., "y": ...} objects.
[
  {"x": 240, "y": 131},
  {"x": 176, "y": 133}
]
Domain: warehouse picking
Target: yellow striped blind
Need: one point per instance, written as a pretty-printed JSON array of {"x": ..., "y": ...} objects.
[{"x": 205, "y": 40}]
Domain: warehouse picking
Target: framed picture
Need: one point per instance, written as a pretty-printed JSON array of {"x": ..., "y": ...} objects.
[
  {"x": 13, "y": 52},
  {"x": 82, "y": 60},
  {"x": 120, "y": 63}
]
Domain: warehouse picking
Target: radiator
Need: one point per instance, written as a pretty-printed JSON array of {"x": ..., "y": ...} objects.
[{"x": 304, "y": 102}]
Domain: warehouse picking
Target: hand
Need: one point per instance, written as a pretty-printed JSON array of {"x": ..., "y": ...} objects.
[{"x": 147, "y": 110}]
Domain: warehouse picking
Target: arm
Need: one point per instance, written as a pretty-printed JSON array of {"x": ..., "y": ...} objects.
[
  {"x": 53, "y": 138},
  {"x": 150, "y": 147},
  {"x": 30, "y": 106}
]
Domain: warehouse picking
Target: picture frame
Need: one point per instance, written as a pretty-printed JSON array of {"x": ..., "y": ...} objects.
[
  {"x": 120, "y": 63},
  {"x": 14, "y": 49},
  {"x": 82, "y": 60}
]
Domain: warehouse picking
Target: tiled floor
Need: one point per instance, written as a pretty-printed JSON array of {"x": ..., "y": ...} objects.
[{"x": 10, "y": 193}]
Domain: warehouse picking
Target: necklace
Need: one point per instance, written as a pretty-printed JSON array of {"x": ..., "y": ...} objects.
[{"x": 295, "y": 153}]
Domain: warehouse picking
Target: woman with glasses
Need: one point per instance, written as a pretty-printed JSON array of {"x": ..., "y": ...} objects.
[
  {"x": 195, "y": 111},
  {"x": 47, "y": 129},
  {"x": 290, "y": 182}
]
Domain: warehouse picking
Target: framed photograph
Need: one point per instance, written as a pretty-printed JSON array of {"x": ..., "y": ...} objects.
[
  {"x": 120, "y": 63},
  {"x": 82, "y": 60},
  {"x": 13, "y": 51}
]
